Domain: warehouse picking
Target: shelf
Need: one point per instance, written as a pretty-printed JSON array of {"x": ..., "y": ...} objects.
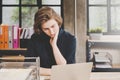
[
  {"x": 13, "y": 49},
  {"x": 14, "y": 58},
  {"x": 106, "y": 70},
  {"x": 104, "y": 41}
]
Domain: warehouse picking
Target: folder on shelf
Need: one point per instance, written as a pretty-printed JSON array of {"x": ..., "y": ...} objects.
[
  {"x": 23, "y": 33},
  {"x": 10, "y": 37},
  {"x": 15, "y": 37},
  {"x": 6, "y": 36},
  {"x": 19, "y": 33},
  {"x": 1, "y": 36},
  {"x": 26, "y": 33},
  {"x": 31, "y": 31}
]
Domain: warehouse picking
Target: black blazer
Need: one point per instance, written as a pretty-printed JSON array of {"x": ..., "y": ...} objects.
[{"x": 39, "y": 46}]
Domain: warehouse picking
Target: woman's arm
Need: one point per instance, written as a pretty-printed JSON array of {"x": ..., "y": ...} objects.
[
  {"x": 56, "y": 52},
  {"x": 45, "y": 71},
  {"x": 58, "y": 56}
]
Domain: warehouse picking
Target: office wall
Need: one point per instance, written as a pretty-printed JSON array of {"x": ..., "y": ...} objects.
[{"x": 78, "y": 29}]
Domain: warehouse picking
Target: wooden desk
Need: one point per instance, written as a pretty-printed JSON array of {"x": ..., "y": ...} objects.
[
  {"x": 105, "y": 76},
  {"x": 97, "y": 76}
]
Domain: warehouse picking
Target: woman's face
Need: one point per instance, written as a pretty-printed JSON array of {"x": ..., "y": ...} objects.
[{"x": 50, "y": 28}]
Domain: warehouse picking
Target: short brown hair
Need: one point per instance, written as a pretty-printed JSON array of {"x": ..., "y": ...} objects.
[{"x": 43, "y": 15}]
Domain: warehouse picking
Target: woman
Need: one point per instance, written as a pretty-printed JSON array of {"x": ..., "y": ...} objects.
[{"x": 50, "y": 42}]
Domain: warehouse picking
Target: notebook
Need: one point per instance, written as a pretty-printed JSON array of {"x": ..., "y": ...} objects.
[{"x": 78, "y": 71}]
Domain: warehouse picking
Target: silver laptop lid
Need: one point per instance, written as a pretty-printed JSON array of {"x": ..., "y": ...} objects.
[{"x": 78, "y": 71}]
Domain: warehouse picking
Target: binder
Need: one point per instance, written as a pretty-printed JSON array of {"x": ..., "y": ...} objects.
[
  {"x": 22, "y": 33},
  {"x": 22, "y": 36},
  {"x": 19, "y": 33},
  {"x": 31, "y": 31},
  {"x": 1, "y": 36},
  {"x": 10, "y": 37},
  {"x": 15, "y": 37},
  {"x": 6, "y": 36},
  {"x": 26, "y": 34}
]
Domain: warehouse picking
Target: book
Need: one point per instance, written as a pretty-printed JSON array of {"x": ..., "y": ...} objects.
[
  {"x": 22, "y": 33},
  {"x": 31, "y": 31},
  {"x": 26, "y": 34}
]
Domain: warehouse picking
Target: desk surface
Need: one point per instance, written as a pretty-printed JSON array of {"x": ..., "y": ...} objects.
[
  {"x": 96, "y": 76},
  {"x": 105, "y": 41},
  {"x": 105, "y": 76}
]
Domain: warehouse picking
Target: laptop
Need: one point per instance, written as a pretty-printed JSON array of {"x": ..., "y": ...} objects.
[{"x": 77, "y": 71}]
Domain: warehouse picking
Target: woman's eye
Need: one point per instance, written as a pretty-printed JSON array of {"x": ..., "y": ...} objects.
[
  {"x": 53, "y": 26},
  {"x": 45, "y": 29}
]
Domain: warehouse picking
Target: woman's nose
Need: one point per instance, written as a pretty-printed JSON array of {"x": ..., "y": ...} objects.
[{"x": 51, "y": 31}]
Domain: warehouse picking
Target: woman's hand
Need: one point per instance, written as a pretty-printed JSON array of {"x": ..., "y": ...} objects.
[
  {"x": 60, "y": 60},
  {"x": 53, "y": 40}
]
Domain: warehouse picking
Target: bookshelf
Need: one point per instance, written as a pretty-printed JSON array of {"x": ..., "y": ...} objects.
[
  {"x": 13, "y": 49},
  {"x": 14, "y": 40},
  {"x": 13, "y": 53},
  {"x": 103, "y": 64}
]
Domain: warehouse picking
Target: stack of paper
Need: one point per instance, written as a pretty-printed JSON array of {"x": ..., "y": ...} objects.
[{"x": 103, "y": 60}]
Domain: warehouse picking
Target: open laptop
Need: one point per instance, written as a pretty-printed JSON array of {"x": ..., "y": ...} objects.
[{"x": 78, "y": 71}]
